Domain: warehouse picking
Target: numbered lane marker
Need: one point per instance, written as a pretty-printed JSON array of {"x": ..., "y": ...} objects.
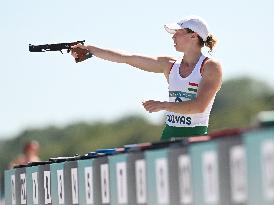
[
  {"x": 23, "y": 186},
  {"x": 184, "y": 165},
  {"x": 238, "y": 174},
  {"x": 267, "y": 154},
  {"x": 89, "y": 185},
  {"x": 210, "y": 177},
  {"x": 74, "y": 185},
  {"x": 60, "y": 186},
  {"x": 121, "y": 176},
  {"x": 47, "y": 187},
  {"x": 13, "y": 196},
  {"x": 34, "y": 176},
  {"x": 105, "y": 183},
  {"x": 140, "y": 175},
  {"x": 162, "y": 184}
]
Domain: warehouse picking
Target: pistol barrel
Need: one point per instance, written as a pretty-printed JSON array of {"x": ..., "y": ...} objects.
[{"x": 53, "y": 47}]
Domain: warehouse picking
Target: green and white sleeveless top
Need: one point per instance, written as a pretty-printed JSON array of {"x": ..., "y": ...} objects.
[{"x": 184, "y": 89}]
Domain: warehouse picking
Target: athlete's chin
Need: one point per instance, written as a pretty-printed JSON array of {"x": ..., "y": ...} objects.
[{"x": 178, "y": 49}]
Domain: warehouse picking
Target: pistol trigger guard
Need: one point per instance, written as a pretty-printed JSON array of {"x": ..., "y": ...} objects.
[{"x": 61, "y": 51}]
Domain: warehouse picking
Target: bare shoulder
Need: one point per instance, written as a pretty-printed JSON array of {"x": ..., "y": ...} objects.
[
  {"x": 212, "y": 66},
  {"x": 167, "y": 62}
]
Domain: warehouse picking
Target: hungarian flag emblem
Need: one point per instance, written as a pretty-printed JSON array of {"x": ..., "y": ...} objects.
[{"x": 193, "y": 87}]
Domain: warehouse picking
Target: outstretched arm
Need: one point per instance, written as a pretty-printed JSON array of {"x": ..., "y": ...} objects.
[
  {"x": 209, "y": 86},
  {"x": 150, "y": 64}
]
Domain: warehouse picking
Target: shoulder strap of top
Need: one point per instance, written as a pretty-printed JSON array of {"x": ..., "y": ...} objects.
[
  {"x": 202, "y": 66},
  {"x": 178, "y": 61},
  {"x": 171, "y": 67}
]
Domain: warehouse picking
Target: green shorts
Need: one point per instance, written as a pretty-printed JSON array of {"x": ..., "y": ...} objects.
[{"x": 170, "y": 132}]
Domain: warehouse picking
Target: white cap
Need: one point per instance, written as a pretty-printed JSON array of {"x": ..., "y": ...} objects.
[{"x": 195, "y": 23}]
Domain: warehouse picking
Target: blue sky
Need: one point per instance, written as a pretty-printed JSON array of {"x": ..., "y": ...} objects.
[{"x": 41, "y": 89}]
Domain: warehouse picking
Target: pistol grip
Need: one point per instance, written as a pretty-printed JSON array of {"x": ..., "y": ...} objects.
[{"x": 86, "y": 56}]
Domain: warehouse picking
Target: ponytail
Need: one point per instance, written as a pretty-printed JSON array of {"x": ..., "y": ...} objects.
[{"x": 210, "y": 42}]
